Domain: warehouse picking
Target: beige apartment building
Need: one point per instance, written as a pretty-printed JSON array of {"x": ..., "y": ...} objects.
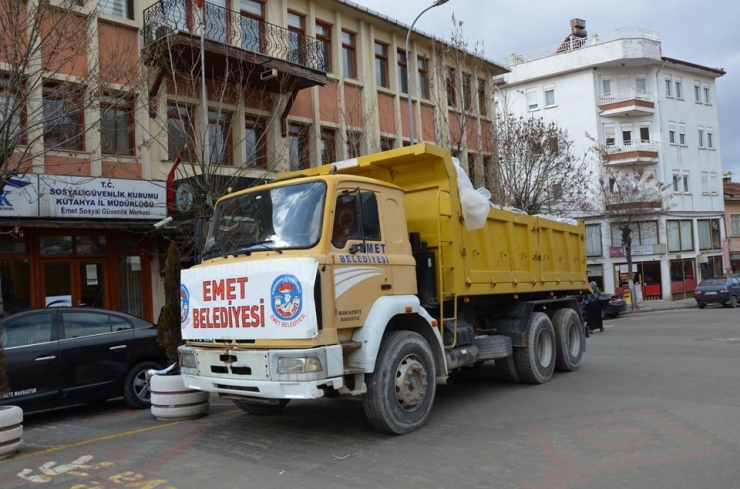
[{"x": 112, "y": 135}]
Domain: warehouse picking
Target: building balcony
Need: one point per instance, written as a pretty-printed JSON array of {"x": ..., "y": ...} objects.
[
  {"x": 247, "y": 51},
  {"x": 627, "y": 102},
  {"x": 632, "y": 153}
]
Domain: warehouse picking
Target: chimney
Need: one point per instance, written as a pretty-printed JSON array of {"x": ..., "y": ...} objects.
[{"x": 578, "y": 28}]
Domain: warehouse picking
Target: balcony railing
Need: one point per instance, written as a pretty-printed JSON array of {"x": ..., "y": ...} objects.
[
  {"x": 628, "y": 94},
  {"x": 229, "y": 27},
  {"x": 632, "y": 146}
]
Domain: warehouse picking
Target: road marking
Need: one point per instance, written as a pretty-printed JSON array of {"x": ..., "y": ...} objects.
[{"x": 105, "y": 438}]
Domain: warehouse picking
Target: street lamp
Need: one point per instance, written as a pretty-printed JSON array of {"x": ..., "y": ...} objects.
[{"x": 436, "y": 3}]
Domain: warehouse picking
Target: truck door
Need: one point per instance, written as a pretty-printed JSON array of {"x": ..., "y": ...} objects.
[{"x": 362, "y": 269}]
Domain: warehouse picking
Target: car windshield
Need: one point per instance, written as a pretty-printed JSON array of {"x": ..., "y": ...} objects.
[
  {"x": 275, "y": 219},
  {"x": 714, "y": 281}
]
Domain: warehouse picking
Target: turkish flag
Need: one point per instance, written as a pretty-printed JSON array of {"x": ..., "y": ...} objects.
[{"x": 200, "y": 3}]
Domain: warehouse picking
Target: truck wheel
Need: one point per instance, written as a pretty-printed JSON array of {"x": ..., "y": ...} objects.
[
  {"x": 261, "y": 409},
  {"x": 536, "y": 361},
  {"x": 506, "y": 370},
  {"x": 400, "y": 392},
  {"x": 569, "y": 339}
]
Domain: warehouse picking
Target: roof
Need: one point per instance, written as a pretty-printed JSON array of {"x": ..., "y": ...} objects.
[
  {"x": 731, "y": 190},
  {"x": 715, "y": 71}
]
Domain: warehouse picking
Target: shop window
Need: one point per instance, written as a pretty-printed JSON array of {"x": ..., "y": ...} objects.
[
  {"x": 87, "y": 245},
  {"x": 56, "y": 245},
  {"x": 130, "y": 285},
  {"x": 15, "y": 283}
]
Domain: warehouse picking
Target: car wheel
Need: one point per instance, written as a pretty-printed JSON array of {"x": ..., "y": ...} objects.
[
  {"x": 702, "y": 305},
  {"x": 136, "y": 389},
  {"x": 733, "y": 301}
]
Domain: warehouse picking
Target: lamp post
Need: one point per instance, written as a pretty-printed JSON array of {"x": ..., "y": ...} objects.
[{"x": 436, "y": 3}]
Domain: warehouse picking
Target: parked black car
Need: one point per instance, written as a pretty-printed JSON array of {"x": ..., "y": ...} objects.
[
  {"x": 613, "y": 305},
  {"x": 721, "y": 290},
  {"x": 62, "y": 356}
]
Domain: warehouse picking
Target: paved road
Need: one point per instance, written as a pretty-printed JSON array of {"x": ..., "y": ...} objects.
[{"x": 656, "y": 404}]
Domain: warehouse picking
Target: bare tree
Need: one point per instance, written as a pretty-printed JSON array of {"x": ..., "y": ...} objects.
[
  {"x": 536, "y": 169},
  {"x": 626, "y": 196},
  {"x": 48, "y": 81}
]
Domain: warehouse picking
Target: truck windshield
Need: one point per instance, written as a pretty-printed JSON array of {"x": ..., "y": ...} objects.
[{"x": 274, "y": 219}]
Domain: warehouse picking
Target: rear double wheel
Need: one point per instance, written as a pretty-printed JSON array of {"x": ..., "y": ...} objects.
[
  {"x": 400, "y": 392},
  {"x": 569, "y": 339},
  {"x": 535, "y": 362}
]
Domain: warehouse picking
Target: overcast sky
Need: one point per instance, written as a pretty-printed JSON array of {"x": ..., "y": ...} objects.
[{"x": 704, "y": 32}]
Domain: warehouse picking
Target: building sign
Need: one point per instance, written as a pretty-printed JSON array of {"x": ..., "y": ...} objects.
[
  {"x": 637, "y": 250},
  {"x": 101, "y": 198},
  {"x": 267, "y": 299},
  {"x": 20, "y": 197}
]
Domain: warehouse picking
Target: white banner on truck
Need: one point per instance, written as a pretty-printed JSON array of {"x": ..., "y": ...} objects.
[{"x": 266, "y": 299}]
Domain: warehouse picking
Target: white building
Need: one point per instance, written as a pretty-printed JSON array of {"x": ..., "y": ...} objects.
[{"x": 648, "y": 110}]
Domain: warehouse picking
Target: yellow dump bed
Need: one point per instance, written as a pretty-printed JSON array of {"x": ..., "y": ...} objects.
[{"x": 512, "y": 254}]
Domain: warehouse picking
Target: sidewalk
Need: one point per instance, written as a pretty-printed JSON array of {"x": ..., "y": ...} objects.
[{"x": 649, "y": 306}]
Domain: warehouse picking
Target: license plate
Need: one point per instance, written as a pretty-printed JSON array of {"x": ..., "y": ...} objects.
[{"x": 710, "y": 293}]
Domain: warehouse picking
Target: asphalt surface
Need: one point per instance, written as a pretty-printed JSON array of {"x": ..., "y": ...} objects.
[{"x": 655, "y": 404}]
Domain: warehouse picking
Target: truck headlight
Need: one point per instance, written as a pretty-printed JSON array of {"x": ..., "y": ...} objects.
[
  {"x": 298, "y": 365},
  {"x": 187, "y": 359}
]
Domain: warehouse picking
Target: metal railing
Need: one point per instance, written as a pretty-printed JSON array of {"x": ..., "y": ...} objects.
[
  {"x": 627, "y": 94},
  {"x": 233, "y": 28},
  {"x": 632, "y": 146},
  {"x": 577, "y": 43}
]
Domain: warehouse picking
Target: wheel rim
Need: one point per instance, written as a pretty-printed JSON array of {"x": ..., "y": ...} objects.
[
  {"x": 141, "y": 386},
  {"x": 544, "y": 348},
  {"x": 574, "y": 339},
  {"x": 411, "y": 383}
]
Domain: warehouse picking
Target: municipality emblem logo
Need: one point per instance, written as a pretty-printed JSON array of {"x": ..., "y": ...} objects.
[{"x": 287, "y": 297}]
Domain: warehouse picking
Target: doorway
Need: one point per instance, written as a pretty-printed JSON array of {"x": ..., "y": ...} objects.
[{"x": 74, "y": 283}]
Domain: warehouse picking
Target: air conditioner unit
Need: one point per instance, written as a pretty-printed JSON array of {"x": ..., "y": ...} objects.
[{"x": 268, "y": 74}]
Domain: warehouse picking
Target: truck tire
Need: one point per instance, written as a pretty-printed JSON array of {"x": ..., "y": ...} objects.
[
  {"x": 400, "y": 392},
  {"x": 536, "y": 361},
  {"x": 569, "y": 339},
  {"x": 260, "y": 409},
  {"x": 506, "y": 370}
]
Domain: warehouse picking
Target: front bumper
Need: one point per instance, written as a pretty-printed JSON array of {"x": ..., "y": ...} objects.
[{"x": 254, "y": 373}]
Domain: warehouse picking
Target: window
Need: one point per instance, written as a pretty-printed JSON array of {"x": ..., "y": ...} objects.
[
  {"x": 709, "y": 235},
  {"x": 255, "y": 140},
  {"x": 606, "y": 87},
  {"x": 706, "y": 94},
  {"x": 466, "y": 91},
  {"x": 354, "y": 144},
  {"x": 349, "y": 60},
  {"x": 697, "y": 92},
  {"x": 296, "y": 38},
  {"x": 218, "y": 25},
  {"x": 680, "y": 235},
  {"x": 735, "y": 224},
  {"x": 672, "y": 136},
  {"x": 63, "y": 119},
  {"x": 30, "y": 329},
  {"x": 680, "y": 183},
  {"x": 549, "y": 96},
  {"x": 685, "y": 179},
  {"x": 323, "y": 36},
  {"x": 644, "y": 134},
  {"x": 609, "y": 134},
  {"x": 81, "y": 324},
  {"x": 668, "y": 85},
  {"x": 387, "y": 143},
  {"x": 710, "y": 140},
  {"x": 16, "y": 276},
  {"x": 179, "y": 131},
  {"x": 298, "y": 146},
  {"x": 641, "y": 233},
  {"x": 450, "y": 87},
  {"x": 679, "y": 91},
  {"x": 218, "y": 136},
  {"x": 701, "y": 138},
  {"x": 641, "y": 86},
  {"x": 328, "y": 145},
  {"x": 119, "y": 8},
  {"x": 482, "y": 98},
  {"x": 252, "y": 25},
  {"x": 532, "y": 101},
  {"x": 713, "y": 183},
  {"x": 593, "y": 240},
  {"x": 11, "y": 108},
  {"x": 682, "y": 135},
  {"x": 356, "y": 217},
  {"x": 705, "y": 183},
  {"x": 381, "y": 65},
  {"x": 423, "y": 68},
  {"x": 402, "y": 72},
  {"x": 116, "y": 126},
  {"x": 626, "y": 134}
]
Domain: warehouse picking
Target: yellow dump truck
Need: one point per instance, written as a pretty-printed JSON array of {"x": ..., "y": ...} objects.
[{"x": 362, "y": 278}]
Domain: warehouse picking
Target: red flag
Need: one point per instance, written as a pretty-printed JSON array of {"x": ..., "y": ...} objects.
[
  {"x": 170, "y": 185},
  {"x": 200, "y": 3}
]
